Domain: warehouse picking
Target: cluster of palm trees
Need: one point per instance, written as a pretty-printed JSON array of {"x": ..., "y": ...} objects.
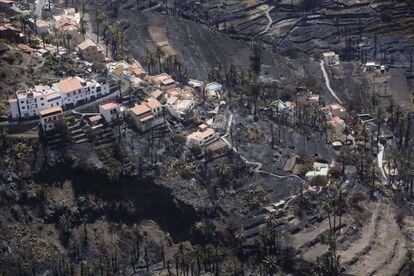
[
  {"x": 157, "y": 62},
  {"x": 333, "y": 205}
]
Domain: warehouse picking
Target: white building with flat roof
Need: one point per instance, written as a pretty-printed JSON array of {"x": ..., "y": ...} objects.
[
  {"x": 203, "y": 136},
  {"x": 109, "y": 111},
  {"x": 319, "y": 169},
  {"x": 330, "y": 58},
  {"x": 29, "y": 102},
  {"x": 66, "y": 93},
  {"x": 178, "y": 107},
  {"x": 77, "y": 90}
]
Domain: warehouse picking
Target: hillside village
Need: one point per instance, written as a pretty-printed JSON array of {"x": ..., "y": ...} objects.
[{"x": 181, "y": 165}]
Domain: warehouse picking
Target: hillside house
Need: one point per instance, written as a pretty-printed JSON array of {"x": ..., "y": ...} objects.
[
  {"x": 125, "y": 71},
  {"x": 196, "y": 84},
  {"x": 338, "y": 111},
  {"x": 147, "y": 115},
  {"x": 164, "y": 79},
  {"x": 319, "y": 169},
  {"x": 213, "y": 90},
  {"x": 96, "y": 121},
  {"x": 50, "y": 118},
  {"x": 337, "y": 125},
  {"x": 76, "y": 90},
  {"x": 67, "y": 93},
  {"x": 40, "y": 26},
  {"x": 330, "y": 58},
  {"x": 11, "y": 33},
  {"x": 213, "y": 86},
  {"x": 90, "y": 51},
  {"x": 68, "y": 23},
  {"x": 109, "y": 111},
  {"x": 157, "y": 94},
  {"x": 137, "y": 69},
  {"x": 179, "y": 108},
  {"x": 202, "y": 137}
]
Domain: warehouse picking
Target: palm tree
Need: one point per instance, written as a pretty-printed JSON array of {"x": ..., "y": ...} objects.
[
  {"x": 149, "y": 62},
  {"x": 57, "y": 36},
  {"x": 159, "y": 54},
  {"x": 3, "y": 137},
  {"x": 120, "y": 85},
  {"x": 64, "y": 221},
  {"x": 115, "y": 7},
  {"x": 99, "y": 18},
  {"x": 83, "y": 26},
  {"x": 68, "y": 37},
  {"x": 256, "y": 56},
  {"x": 43, "y": 37},
  {"x": 269, "y": 265},
  {"x": 121, "y": 42},
  {"x": 35, "y": 17},
  {"x": 379, "y": 119}
]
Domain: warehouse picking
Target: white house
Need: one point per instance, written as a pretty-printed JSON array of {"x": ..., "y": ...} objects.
[
  {"x": 370, "y": 66},
  {"x": 279, "y": 106},
  {"x": 338, "y": 110},
  {"x": 213, "y": 88},
  {"x": 66, "y": 93},
  {"x": 164, "y": 79},
  {"x": 203, "y": 136},
  {"x": 319, "y": 169},
  {"x": 178, "y": 108},
  {"x": 109, "y": 111},
  {"x": 50, "y": 118},
  {"x": 39, "y": 26},
  {"x": 330, "y": 58},
  {"x": 77, "y": 90},
  {"x": 196, "y": 84},
  {"x": 28, "y": 103}
]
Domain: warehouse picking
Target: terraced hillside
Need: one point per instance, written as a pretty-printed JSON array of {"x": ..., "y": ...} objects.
[{"x": 354, "y": 28}]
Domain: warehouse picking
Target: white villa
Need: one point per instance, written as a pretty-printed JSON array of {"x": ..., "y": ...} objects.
[
  {"x": 319, "y": 169},
  {"x": 50, "y": 118},
  {"x": 330, "y": 58},
  {"x": 109, "y": 111},
  {"x": 203, "y": 136},
  {"x": 178, "y": 108},
  {"x": 67, "y": 93}
]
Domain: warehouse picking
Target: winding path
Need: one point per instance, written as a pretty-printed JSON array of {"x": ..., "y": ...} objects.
[
  {"x": 381, "y": 147},
  {"x": 328, "y": 82},
  {"x": 269, "y": 24},
  {"x": 257, "y": 165},
  {"x": 380, "y": 158}
]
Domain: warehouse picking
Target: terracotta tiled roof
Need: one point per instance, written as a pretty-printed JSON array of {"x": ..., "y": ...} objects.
[
  {"x": 50, "y": 111},
  {"x": 146, "y": 118},
  {"x": 70, "y": 85},
  {"x": 153, "y": 103},
  {"x": 86, "y": 44},
  {"x": 140, "y": 109},
  {"x": 109, "y": 106}
]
